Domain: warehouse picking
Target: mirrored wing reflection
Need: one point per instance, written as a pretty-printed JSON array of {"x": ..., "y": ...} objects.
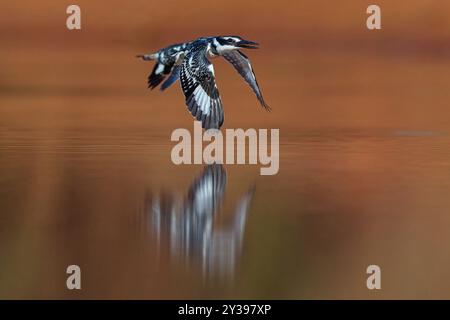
[{"x": 185, "y": 226}]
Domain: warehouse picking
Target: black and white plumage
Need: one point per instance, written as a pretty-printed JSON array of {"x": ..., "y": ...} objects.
[
  {"x": 166, "y": 63},
  {"x": 191, "y": 227},
  {"x": 189, "y": 62}
]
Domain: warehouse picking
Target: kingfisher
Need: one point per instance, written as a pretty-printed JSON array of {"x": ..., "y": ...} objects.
[{"x": 189, "y": 62}]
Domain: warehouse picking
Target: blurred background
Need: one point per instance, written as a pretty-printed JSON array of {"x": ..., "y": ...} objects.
[{"x": 86, "y": 176}]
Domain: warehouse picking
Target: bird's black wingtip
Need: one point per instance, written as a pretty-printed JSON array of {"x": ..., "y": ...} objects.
[{"x": 266, "y": 106}]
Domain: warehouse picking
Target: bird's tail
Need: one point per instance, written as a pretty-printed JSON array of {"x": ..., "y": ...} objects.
[{"x": 147, "y": 57}]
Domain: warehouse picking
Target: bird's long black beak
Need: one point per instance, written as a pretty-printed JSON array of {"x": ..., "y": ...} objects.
[{"x": 247, "y": 44}]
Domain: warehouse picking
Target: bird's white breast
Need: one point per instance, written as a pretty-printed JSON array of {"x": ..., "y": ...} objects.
[{"x": 209, "y": 51}]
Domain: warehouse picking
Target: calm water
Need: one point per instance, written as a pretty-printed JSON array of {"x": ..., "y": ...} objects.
[{"x": 141, "y": 227}]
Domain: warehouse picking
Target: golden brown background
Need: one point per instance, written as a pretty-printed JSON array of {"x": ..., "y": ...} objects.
[{"x": 364, "y": 163}]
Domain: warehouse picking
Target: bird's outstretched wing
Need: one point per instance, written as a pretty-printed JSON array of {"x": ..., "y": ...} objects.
[
  {"x": 174, "y": 76},
  {"x": 200, "y": 90},
  {"x": 167, "y": 61},
  {"x": 159, "y": 72},
  {"x": 242, "y": 65}
]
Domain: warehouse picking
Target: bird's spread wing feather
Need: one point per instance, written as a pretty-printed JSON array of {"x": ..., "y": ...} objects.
[
  {"x": 242, "y": 65},
  {"x": 158, "y": 74},
  {"x": 174, "y": 76},
  {"x": 200, "y": 90},
  {"x": 168, "y": 62}
]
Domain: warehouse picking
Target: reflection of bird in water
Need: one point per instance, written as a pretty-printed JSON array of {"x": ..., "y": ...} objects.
[
  {"x": 189, "y": 63},
  {"x": 186, "y": 226}
]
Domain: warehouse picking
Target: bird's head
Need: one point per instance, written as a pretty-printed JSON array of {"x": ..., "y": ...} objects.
[{"x": 223, "y": 44}]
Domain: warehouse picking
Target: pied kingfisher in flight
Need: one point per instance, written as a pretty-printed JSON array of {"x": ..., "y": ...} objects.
[{"x": 189, "y": 63}]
